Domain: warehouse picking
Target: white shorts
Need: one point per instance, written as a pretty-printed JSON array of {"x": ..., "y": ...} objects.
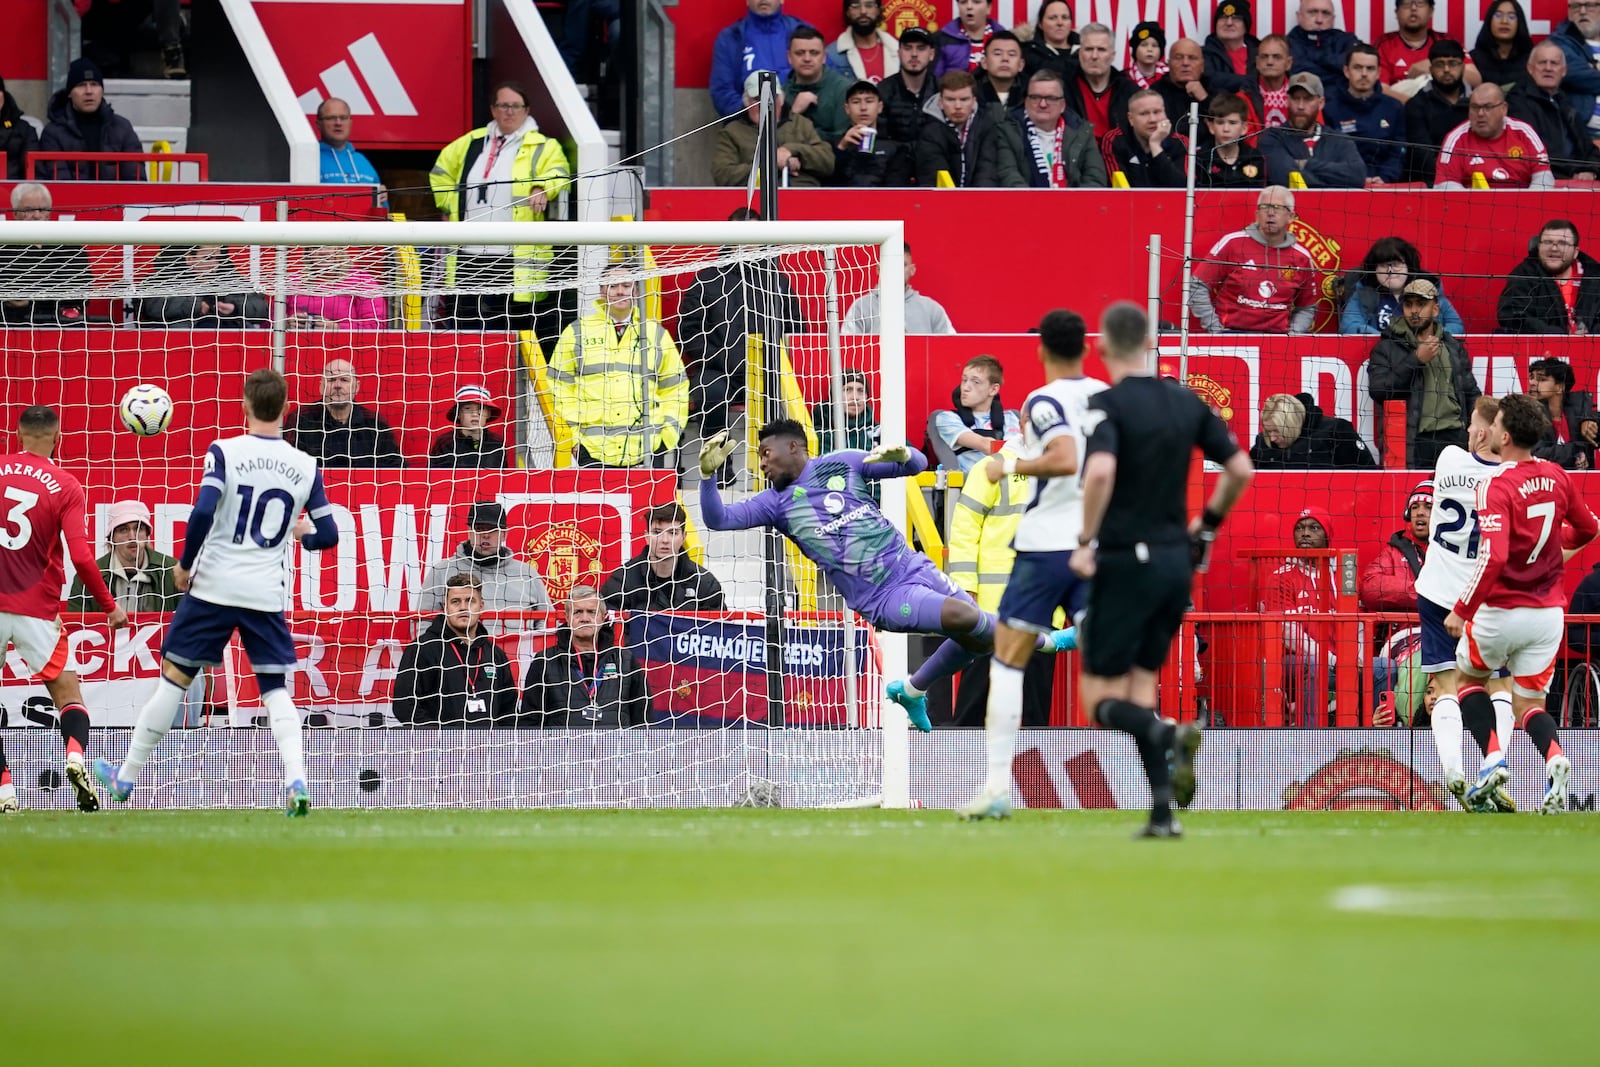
[
  {"x": 1525, "y": 641},
  {"x": 40, "y": 642}
]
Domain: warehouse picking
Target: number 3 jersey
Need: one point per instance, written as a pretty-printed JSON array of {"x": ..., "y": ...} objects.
[
  {"x": 1453, "y": 535},
  {"x": 264, "y": 483},
  {"x": 1054, "y": 516}
]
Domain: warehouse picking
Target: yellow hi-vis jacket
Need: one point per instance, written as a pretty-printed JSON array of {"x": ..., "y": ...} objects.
[
  {"x": 986, "y": 516},
  {"x": 540, "y": 163},
  {"x": 624, "y": 397}
]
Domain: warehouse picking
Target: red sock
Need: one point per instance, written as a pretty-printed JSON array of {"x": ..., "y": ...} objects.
[
  {"x": 5, "y": 775},
  {"x": 1555, "y": 750},
  {"x": 1494, "y": 744}
]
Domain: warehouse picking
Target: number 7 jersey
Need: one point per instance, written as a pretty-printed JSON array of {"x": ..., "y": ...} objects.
[
  {"x": 1453, "y": 534},
  {"x": 265, "y": 482},
  {"x": 1528, "y": 512}
]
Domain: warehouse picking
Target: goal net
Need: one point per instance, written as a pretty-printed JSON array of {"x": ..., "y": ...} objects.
[{"x": 529, "y": 415}]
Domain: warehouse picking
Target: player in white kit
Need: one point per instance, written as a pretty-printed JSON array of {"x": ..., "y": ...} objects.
[
  {"x": 1041, "y": 580},
  {"x": 237, "y": 570},
  {"x": 1453, "y": 543}
]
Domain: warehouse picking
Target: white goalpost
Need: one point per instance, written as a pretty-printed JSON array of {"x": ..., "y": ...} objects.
[{"x": 94, "y": 308}]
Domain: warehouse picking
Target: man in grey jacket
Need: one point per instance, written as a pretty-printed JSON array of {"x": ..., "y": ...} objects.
[
  {"x": 509, "y": 584},
  {"x": 924, "y": 315},
  {"x": 1325, "y": 159}
]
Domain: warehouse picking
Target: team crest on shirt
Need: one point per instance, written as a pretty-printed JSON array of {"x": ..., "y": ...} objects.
[
  {"x": 1515, "y": 151},
  {"x": 565, "y": 555},
  {"x": 836, "y": 483},
  {"x": 1250, "y": 170},
  {"x": 833, "y": 503}
]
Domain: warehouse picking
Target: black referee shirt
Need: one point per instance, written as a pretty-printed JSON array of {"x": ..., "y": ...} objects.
[{"x": 1151, "y": 425}]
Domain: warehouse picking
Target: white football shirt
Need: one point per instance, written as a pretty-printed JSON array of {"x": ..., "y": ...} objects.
[
  {"x": 246, "y": 559},
  {"x": 1453, "y": 536},
  {"x": 1054, "y": 517}
]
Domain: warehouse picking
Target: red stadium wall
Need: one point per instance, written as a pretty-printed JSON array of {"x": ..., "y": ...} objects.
[{"x": 998, "y": 259}]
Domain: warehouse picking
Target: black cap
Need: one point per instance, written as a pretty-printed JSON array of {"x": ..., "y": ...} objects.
[
  {"x": 1445, "y": 48},
  {"x": 861, "y": 86},
  {"x": 486, "y": 514},
  {"x": 83, "y": 70},
  {"x": 916, "y": 35},
  {"x": 1232, "y": 9},
  {"x": 1146, "y": 31}
]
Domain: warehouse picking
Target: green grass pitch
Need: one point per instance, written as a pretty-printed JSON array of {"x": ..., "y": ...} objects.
[{"x": 791, "y": 937}]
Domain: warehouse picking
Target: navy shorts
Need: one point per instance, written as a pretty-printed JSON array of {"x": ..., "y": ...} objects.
[
  {"x": 200, "y": 630},
  {"x": 1438, "y": 647},
  {"x": 1040, "y": 583}
]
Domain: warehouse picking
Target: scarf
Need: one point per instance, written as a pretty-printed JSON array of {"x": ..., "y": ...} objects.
[
  {"x": 1274, "y": 105},
  {"x": 1052, "y": 165},
  {"x": 1143, "y": 82}
]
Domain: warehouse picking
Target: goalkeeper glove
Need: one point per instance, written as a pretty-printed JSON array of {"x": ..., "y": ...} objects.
[
  {"x": 889, "y": 454},
  {"x": 715, "y": 453}
]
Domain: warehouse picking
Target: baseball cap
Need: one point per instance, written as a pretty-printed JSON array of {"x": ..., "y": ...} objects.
[
  {"x": 126, "y": 511},
  {"x": 916, "y": 35},
  {"x": 859, "y": 87},
  {"x": 1420, "y": 287},
  {"x": 486, "y": 514},
  {"x": 1307, "y": 81},
  {"x": 473, "y": 394},
  {"x": 752, "y": 85}
]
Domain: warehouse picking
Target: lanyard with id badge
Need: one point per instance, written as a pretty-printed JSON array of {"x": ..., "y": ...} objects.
[
  {"x": 476, "y": 706},
  {"x": 591, "y": 685}
]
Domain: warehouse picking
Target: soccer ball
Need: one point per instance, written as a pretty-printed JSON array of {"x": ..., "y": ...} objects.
[{"x": 146, "y": 410}]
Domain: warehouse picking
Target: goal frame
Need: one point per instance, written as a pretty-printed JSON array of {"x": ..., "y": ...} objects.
[{"x": 591, "y": 238}]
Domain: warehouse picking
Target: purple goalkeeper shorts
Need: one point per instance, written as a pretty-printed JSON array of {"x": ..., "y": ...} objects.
[{"x": 914, "y": 603}]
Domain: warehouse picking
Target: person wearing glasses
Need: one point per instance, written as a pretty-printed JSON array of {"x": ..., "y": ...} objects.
[
  {"x": 67, "y": 267},
  {"x": 1555, "y": 290},
  {"x": 1507, "y": 153},
  {"x": 1579, "y": 40},
  {"x": 1058, "y": 149},
  {"x": 340, "y": 163},
  {"x": 505, "y": 171},
  {"x": 1403, "y": 64}
]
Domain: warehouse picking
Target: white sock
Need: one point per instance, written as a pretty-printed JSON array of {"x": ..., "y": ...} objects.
[
  {"x": 1505, "y": 720},
  {"x": 285, "y": 719},
  {"x": 1447, "y": 734},
  {"x": 911, "y": 689},
  {"x": 1003, "y": 721},
  {"x": 155, "y": 719}
]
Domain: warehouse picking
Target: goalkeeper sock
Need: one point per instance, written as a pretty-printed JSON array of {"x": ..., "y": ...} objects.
[
  {"x": 1477, "y": 712},
  {"x": 74, "y": 723},
  {"x": 1541, "y": 729},
  {"x": 285, "y": 719},
  {"x": 1505, "y": 719},
  {"x": 946, "y": 660},
  {"x": 1447, "y": 734},
  {"x": 155, "y": 719},
  {"x": 1004, "y": 718}
]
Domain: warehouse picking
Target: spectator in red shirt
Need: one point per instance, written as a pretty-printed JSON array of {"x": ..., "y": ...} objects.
[
  {"x": 1389, "y": 582},
  {"x": 1307, "y": 586},
  {"x": 1403, "y": 54},
  {"x": 1258, "y": 279},
  {"x": 1100, "y": 92},
  {"x": 1507, "y": 152},
  {"x": 1230, "y": 48}
]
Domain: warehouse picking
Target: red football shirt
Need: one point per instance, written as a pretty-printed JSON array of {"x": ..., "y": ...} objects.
[
  {"x": 1396, "y": 57},
  {"x": 39, "y": 504},
  {"x": 1254, "y": 288},
  {"x": 1527, "y": 513},
  {"x": 1507, "y": 162}
]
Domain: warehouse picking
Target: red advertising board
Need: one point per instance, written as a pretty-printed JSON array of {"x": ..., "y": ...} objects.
[{"x": 404, "y": 66}]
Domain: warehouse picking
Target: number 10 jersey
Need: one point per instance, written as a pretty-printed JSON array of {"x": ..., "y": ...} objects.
[
  {"x": 1453, "y": 534},
  {"x": 265, "y": 483}
]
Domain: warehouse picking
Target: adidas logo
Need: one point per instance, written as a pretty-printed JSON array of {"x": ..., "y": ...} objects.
[{"x": 378, "y": 74}]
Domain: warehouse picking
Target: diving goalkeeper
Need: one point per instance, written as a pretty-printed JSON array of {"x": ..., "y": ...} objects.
[{"x": 824, "y": 506}]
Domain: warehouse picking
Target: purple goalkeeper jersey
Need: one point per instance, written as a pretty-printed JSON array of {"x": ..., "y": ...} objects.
[{"x": 829, "y": 513}]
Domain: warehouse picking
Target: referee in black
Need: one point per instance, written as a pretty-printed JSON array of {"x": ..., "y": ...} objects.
[{"x": 1141, "y": 551}]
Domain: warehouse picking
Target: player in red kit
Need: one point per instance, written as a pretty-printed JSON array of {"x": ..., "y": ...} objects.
[
  {"x": 39, "y": 505},
  {"x": 1511, "y": 613}
]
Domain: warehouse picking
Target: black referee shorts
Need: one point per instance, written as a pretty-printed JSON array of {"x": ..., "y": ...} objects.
[{"x": 1136, "y": 605}]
